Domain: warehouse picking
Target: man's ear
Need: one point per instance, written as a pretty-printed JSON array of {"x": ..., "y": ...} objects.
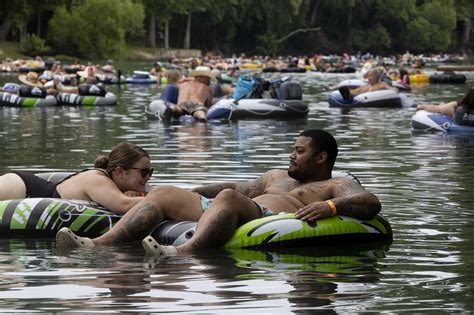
[{"x": 321, "y": 157}]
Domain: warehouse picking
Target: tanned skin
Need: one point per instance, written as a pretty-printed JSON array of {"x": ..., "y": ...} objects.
[{"x": 302, "y": 190}]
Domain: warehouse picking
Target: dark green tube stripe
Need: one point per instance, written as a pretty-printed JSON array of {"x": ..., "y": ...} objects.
[
  {"x": 50, "y": 209},
  {"x": 36, "y": 214},
  {"x": 8, "y": 214},
  {"x": 97, "y": 221}
]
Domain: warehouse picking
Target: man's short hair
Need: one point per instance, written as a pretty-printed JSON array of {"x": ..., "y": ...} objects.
[{"x": 322, "y": 141}]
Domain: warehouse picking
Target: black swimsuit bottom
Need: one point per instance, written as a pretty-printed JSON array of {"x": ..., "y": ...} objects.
[{"x": 38, "y": 187}]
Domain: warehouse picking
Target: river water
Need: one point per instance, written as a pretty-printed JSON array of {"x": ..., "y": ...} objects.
[{"x": 424, "y": 182}]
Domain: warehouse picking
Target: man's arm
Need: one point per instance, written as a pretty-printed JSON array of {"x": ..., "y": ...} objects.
[
  {"x": 251, "y": 188},
  {"x": 349, "y": 199}
]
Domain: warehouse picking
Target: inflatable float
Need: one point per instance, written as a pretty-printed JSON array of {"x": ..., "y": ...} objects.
[
  {"x": 141, "y": 77},
  {"x": 284, "y": 230},
  {"x": 105, "y": 78},
  {"x": 43, "y": 217},
  {"x": 420, "y": 78},
  {"x": 89, "y": 95},
  {"x": 447, "y": 78},
  {"x": 287, "y": 103},
  {"x": 381, "y": 98},
  {"x": 74, "y": 99},
  {"x": 355, "y": 83},
  {"x": 427, "y": 121},
  {"x": 25, "y": 96},
  {"x": 245, "y": 108}
]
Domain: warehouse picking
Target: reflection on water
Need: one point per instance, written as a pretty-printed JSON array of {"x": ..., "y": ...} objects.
[{"x": 424, "y": 182}]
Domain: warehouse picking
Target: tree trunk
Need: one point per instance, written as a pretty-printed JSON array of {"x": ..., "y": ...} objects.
[
  {"x": 152, "y": 31},
  {"x": 5, "y": 29},
  {"x": 348, "y": 39},
  {"x": 314, "y": 11},
  {"x": 187, "y": 36},
  {"x": 167, "y": 34},
  {"x": 23, "y": 33},
  {"x": 38, "y": 28},
  {"x": 466, "y": 26}
]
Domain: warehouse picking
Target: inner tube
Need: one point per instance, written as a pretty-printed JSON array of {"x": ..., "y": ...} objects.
[
  {"x": 418, "y": 78},
  {"x": 434, "y": 122},
  {"x": 13, "y": 100},
  {"x": 285, "y": 231},
  {"x": 73, "y": 99},
  {"x": 448, "y": 78},
  {"x": 257, "y": 108},
  {"x": 43, "y": 217},
  {"x": 245, "y": 108},
  {"x": 381, "y": 98}
]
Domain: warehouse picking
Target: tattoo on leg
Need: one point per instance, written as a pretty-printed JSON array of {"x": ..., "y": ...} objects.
[
  {"x": 140, "y": 225},
  {"x": 218, "y": 231}
]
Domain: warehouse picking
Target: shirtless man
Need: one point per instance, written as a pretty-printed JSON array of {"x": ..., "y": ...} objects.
[
  {"x": 373, "y": 76},
  {"x": 306, "y": 189},
  {"x": 195, "y": 96}
]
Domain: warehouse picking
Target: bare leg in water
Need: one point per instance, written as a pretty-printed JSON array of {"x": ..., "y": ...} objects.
[
  {"x": 163, "y": 202},
  {"x": 228, "y": 211}
]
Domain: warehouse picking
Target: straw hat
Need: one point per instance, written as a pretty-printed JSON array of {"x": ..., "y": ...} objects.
[
  {"x": 31, "y": 79},
  {"x": 203, "y": 71}
]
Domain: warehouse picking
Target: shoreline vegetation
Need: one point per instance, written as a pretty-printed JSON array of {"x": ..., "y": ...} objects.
[
  {"x": 12, "y": 50},
  {"x": 103, "y": 29}
]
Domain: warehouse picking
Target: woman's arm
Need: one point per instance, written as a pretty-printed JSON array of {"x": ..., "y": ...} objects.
[{"x": 103, "y": 190}]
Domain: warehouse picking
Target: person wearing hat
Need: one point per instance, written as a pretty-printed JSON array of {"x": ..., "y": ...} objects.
[
  {"x": 109, "y": 67},
  {"x": 195, "y": 96},
  {"x": 31, "y": 79}
]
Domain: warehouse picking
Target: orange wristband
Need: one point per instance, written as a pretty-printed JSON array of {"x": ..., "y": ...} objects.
[{"x": 332, "y": 205}]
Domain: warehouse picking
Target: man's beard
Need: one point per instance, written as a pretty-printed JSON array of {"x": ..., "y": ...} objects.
[{"x": 297, "y": 174}]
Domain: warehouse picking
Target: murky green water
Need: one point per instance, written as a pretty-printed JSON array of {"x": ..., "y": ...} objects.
[{"x": 423, "y": 180}]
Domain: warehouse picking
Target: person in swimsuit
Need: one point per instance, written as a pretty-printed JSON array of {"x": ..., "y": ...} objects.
[
  {"x": 374, "y": 84},
  {"x": 195, "y": 96},
  {"x": 117, "y": 181},
  {"x": 306, "y": 189},
  {"x": 462, "y": 111}
]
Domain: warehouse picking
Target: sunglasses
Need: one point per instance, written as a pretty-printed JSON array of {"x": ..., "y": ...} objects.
[{"x": 144, "y": 171}]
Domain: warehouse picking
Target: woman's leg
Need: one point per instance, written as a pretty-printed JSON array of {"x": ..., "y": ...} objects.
[{"x": 12, "y": 187}]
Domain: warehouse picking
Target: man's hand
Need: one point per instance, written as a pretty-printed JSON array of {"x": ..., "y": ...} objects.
[
  {"x": 314, "y": 211},
  {"x": 132, "y": 193}
]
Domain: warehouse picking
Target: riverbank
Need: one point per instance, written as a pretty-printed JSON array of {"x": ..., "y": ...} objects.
[{"x": 12, "y": 50}]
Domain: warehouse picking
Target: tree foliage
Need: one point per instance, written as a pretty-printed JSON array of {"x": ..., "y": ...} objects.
[
  {"x": 100, "y": 28},
  {"x": 95, "y": 28}
]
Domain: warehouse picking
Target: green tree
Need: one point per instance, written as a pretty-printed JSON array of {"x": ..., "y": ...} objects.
[
  {"x": 433, "y": 28},
  {"x": 95, "y": 28}
]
